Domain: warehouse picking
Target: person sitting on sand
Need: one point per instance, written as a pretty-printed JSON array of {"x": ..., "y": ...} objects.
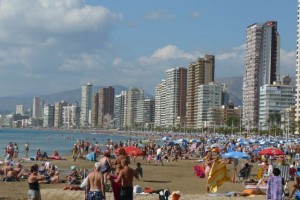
[
  {"x": 74, "y": 175},
  {"x": 52, "y": 180}
]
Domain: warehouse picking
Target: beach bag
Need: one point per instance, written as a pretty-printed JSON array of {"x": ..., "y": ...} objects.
[{"x": 105, "y": 168}]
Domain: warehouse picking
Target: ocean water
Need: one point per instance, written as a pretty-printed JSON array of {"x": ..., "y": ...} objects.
[{"x": 50, "y": 140}]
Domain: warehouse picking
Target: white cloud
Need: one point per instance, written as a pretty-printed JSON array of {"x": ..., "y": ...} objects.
[
  {"x": 43, "y": 39},
  {"x": 160, "y": 15}
]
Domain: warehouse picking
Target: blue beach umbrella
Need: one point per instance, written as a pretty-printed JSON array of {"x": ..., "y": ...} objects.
[
  {"x": 236, "y": 154},
  {"x": 166, "y": 138}
]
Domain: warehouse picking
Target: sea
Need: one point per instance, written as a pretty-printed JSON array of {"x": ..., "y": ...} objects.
[{"x": 50, "y": 140}]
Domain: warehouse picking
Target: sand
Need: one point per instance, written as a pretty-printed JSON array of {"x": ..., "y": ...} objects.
[{"x": 175, "y": 176}]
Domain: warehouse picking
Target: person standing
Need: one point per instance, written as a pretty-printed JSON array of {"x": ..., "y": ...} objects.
[
  {"x": 126, "y": 176},
  {"x": 33, "y": 182},
  {"x": 26, "y": 149},
  {"x": 158, "y": 155},
  {"x": 95, "y": 188}
]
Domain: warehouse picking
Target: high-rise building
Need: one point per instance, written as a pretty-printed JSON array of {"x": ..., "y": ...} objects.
[
  {"x": 86, "y": 104},
  {"x": 20, "y": 109},
  {"x": 58, "y": 114},
  {"x": 175, "y": 86},
  {"x": 133, "y": 95},
  {"x": 36, "y": 108},
  {"x": 160, "y": 105},
  {"x": 209, "y": 96},
  {"x": 274, "y": 99},
  {"x": 119, "y": 110},
  {"x": 71, "y": 116},
  {"x": 48, "y": 116},
  {"x": 145, "y": 113},
  {"x": 261, "y": 67},
  {"x": 200, "y": 72},
  {"x": 103, "y": 108},
  {"x": 297, "y": 105}
]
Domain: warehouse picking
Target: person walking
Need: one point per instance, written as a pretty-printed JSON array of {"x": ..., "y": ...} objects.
[{"x": 26, "y": 149}]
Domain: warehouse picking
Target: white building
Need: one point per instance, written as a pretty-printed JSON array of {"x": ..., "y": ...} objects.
[
  {"x": 131, "y": 97},
  {"x": 209, "y": 96},
  {"x": 20, "y": 109},
  {"x": 86, "y": 104},
  {"x": 274, "y": 99},
  {"x": 160, "y": 105},
  {"x": 70, "y": 116}
]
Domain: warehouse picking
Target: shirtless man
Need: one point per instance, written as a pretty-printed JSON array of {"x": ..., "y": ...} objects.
[
  {"x": 126, "y": 175},
  {"x": 95, "y": 188}
]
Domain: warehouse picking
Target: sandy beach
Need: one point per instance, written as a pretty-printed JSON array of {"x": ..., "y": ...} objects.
[{"x": 175, "y": 176}]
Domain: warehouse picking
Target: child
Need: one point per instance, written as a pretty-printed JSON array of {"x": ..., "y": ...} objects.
[{"x": 139, "y": 169}]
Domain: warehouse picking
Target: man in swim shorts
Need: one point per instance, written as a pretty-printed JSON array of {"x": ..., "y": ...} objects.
[
  {"x": 126, "y": 175},
  {"x": 95, "y": 188}
]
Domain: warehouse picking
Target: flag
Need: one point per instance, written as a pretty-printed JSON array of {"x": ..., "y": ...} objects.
[{"x": 217, "y": 176}]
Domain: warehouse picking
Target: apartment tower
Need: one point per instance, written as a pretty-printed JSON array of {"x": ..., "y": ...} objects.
[
  {"x": 261, "y": 67},
  {"x": 199, "y": 73},
  {"x": 86, "y": 104}
]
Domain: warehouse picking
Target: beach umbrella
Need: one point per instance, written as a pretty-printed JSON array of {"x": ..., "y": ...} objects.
[
  {"x": 133, "y": 151},
  {"x": 181, "y": 141},
  {"x": 236, "y": 154},
  {"x": 193, "y": 141},
  {"x": 171, "y": 144},
  {"x": 166, "y": 138},
  {"x": 272, "y": 151}
]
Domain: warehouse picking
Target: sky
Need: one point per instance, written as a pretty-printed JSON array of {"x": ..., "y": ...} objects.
[{"x": 49, "y": 46}]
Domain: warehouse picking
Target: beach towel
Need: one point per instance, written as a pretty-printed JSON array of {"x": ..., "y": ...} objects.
[{"x": 217, "y": 176}]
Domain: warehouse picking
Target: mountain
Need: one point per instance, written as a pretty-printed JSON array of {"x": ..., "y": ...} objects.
[{"x": 8, "y": 104}]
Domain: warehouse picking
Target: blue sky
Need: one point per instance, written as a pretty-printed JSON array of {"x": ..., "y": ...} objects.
[{"x": 50, "y": 45}]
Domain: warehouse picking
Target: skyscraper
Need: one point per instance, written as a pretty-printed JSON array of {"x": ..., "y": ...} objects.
[
  {"x": 261, "y": 67},
  {"x": 132, "y": 96},
  {"x": 86, "y": 104},
  {"x": 200, "y": 72},
  {"x": 175, "y": 86},
  {"x": 36, "y": 108},
  {"x": 297, "y": 110},
  {"x": 103, "y": 107}
]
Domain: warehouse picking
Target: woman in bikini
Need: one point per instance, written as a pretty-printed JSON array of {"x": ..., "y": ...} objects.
[{"x": 208, "y": 164}]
